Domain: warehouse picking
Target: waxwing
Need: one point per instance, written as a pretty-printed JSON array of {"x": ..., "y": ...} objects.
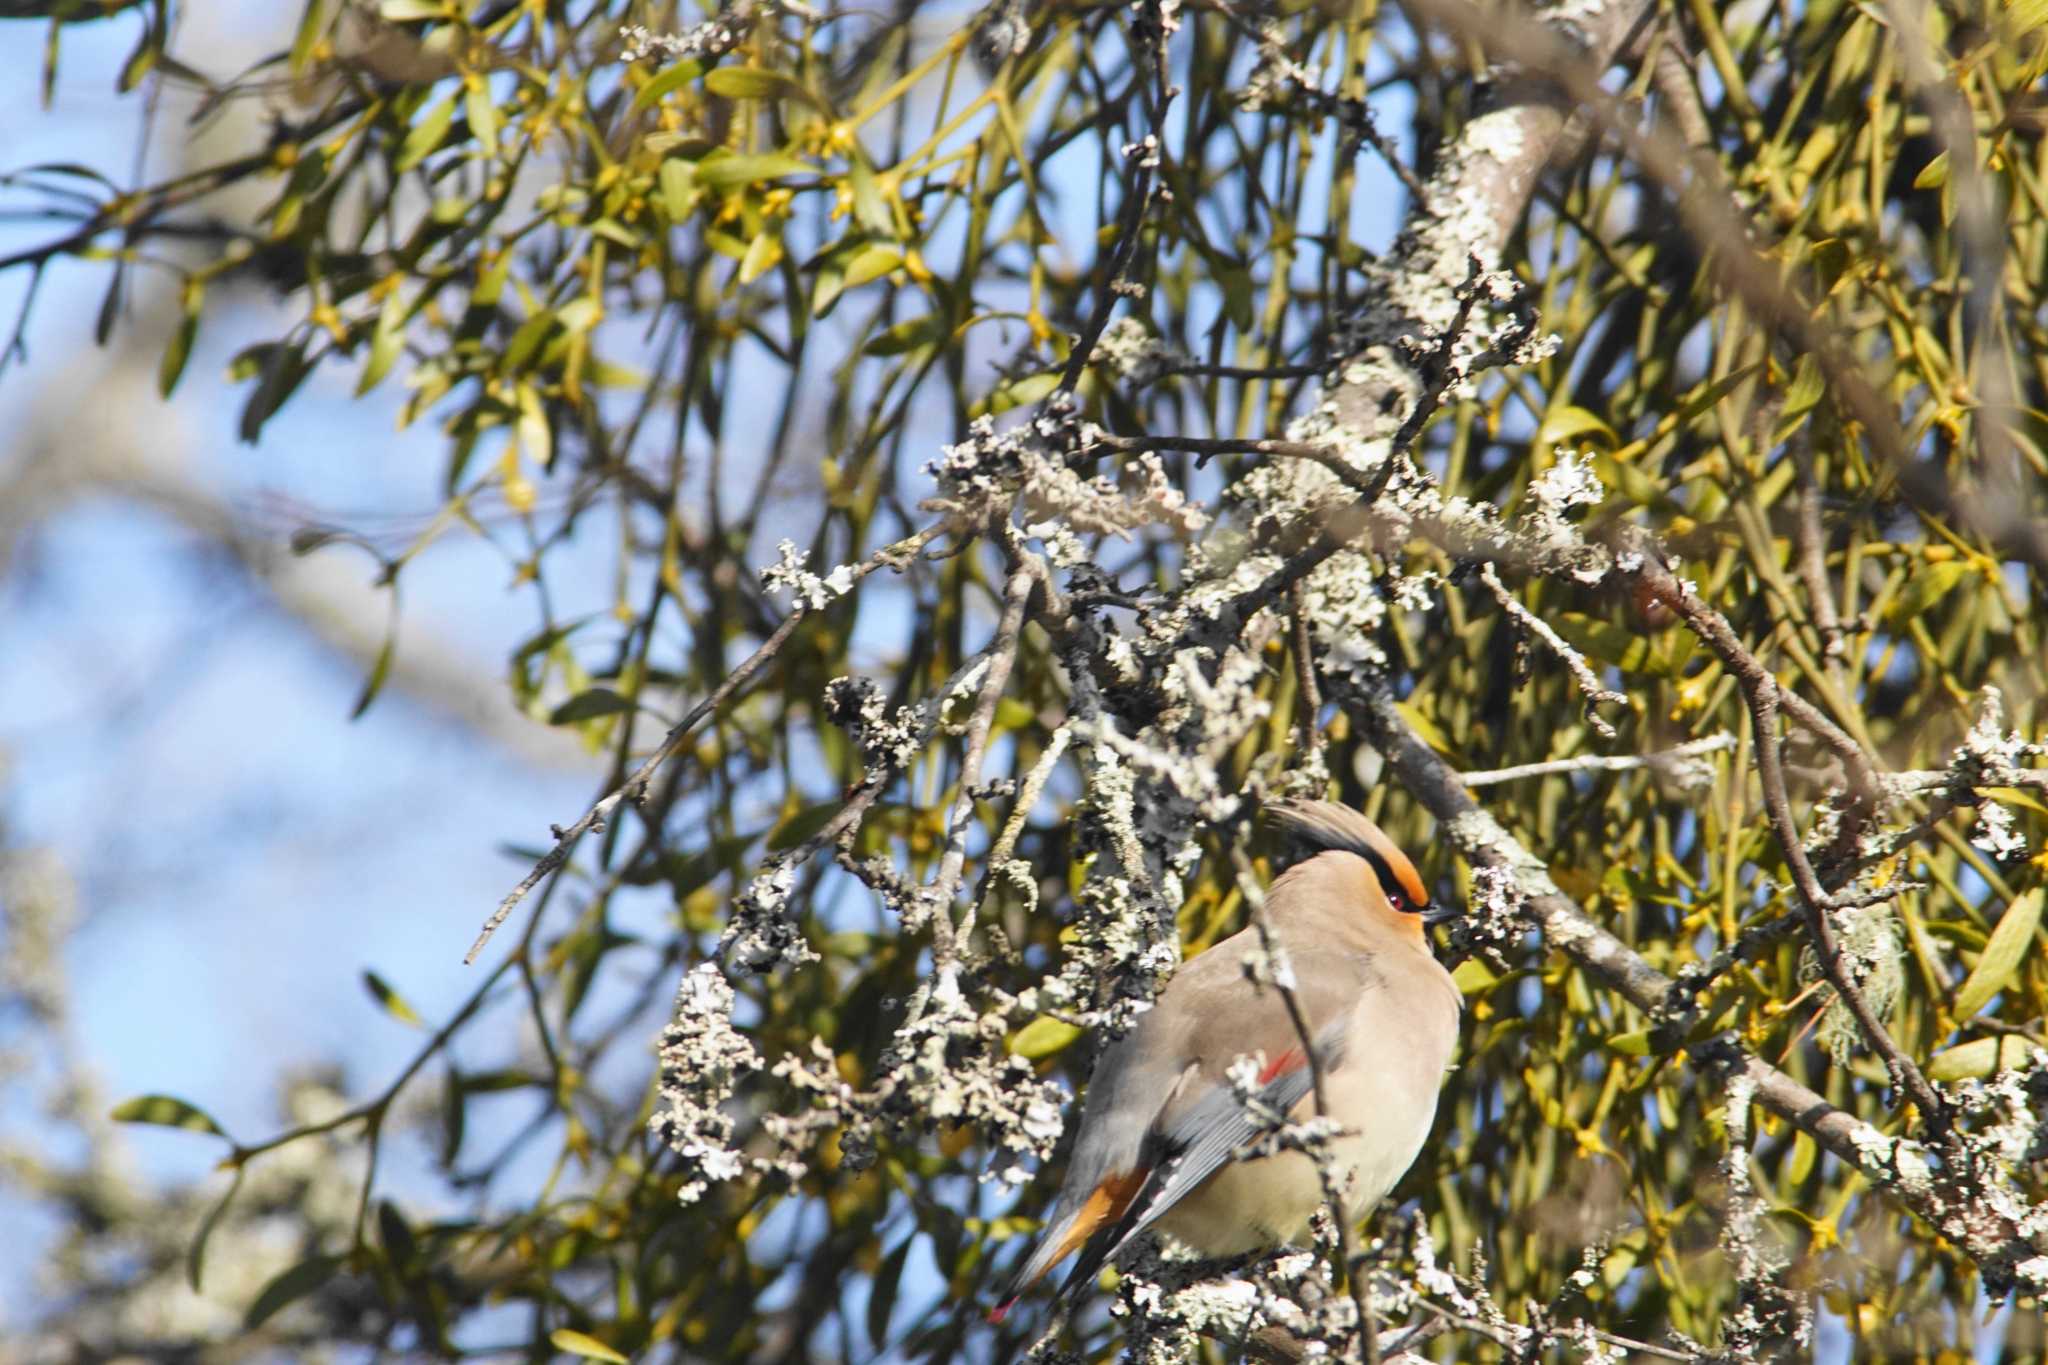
[{"x": 1160, "y": 1121}]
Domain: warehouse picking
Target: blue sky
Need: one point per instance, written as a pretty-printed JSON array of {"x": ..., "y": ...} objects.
[{"x": 243, "y": 850}]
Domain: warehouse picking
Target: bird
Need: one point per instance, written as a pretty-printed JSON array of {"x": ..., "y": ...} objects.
[{"x": 1160, "y": 1121}]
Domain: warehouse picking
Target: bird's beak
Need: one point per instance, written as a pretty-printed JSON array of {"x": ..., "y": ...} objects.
[{"x": 1436, "y": 912}]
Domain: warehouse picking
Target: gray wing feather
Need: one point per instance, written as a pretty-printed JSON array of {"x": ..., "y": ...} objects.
[{"x": 1201, "y": 1140}]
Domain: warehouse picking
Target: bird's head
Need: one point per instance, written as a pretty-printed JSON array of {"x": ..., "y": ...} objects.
[{"x": 1329, "y": 827}]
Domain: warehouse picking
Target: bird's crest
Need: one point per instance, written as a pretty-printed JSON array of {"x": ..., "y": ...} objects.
[{"x": 1327, "y": 825}]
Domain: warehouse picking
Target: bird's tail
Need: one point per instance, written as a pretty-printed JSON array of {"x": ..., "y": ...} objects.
[{"x": 1088, "y": 1227}]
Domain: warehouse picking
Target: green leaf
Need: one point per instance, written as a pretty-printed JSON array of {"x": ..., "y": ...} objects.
[
  {"x": 398, "y": 11},
  {"x": 598, "y": 701},
  {"x": 483, "y": 116},
  {"x": 1924, "y": 588},
  {"x": 379, "y": 671},
  {"x": 1934, "y": 174},
  {"x": 1806, "y": 389},
  {"x": 871, "y": 264},
  {"x": 1236, "y": 284},
  {"x": 1473, "y": 977},
  {"x": 1042, "y": 1037},
  {"x": 888, "y": 1278},
  {"x": 1017, "y": 393},
  {"x": 423, "y": 137},
  {"x": 668, "y": 82},
  {"x": 172, "y": 366},
  {"x": 762, "y": 254},
  {"x": 756, "y": 83},
  {"x": 679, "y": 189},
  {"x": 1608, "y": 643},
  {"x": 454, "y": 1117},
  {"x": 589, "y": 1347},
  {"x": 400, "y": 1245},
  {"x": 1980, "y": 1058},
  {"x": 295, "y": 1283},
  {"x": 1635, "y": 1044},
  {"x": 907, "y": 335},
  {"x": 313, "y": 26},
  {"x": 2010, "y": 939},
  {"x": 387, "y": 339},
  {"x": 166, "y": 1111},
  {"x": 580, "y": 314},
  {"x": 870, "y": 205},
  {"x": 1716, "y": 391},
  {"x": 723, "y": 172},
  {"x": 1565, "y": 422},
  {"x": 394, "y": 1004},
  {"x": 1831, "y": 258}
]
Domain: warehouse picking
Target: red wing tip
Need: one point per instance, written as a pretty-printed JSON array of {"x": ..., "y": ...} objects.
[
  {"x": 1000, "y": 1311},
  {"x": 1281, "y": 1065}
]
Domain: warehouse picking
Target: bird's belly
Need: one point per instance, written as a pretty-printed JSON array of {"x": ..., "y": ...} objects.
[{"x": 1248, "y": 1205}]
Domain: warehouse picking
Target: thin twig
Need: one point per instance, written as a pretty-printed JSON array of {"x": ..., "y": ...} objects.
[
  {"x": 1309, "y": 703},
  {"x": 635, "y": 786},
  {"x": 1602, "y": 763},
  {"x": 1582, "y": 672},
  {"x": 1002, "y": 654}
]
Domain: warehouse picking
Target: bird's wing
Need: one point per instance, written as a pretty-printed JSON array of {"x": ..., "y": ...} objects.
[
  {"x": 1212, "y": 1122},
  {"x": 1161, "y": 1117}
]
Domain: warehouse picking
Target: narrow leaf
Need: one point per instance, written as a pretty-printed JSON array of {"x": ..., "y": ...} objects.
[
  {"x": 589, "y": 1347},
  {"x": 394, "y": 1004},
  {"x": 598, "y": 701},
  {"x": 294, "y": 1284},
  {"x": 166, "y": 1111},
  {"x": 2010, "y": 939}
]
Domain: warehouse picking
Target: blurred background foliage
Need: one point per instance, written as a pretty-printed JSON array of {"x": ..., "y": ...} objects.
[{"x": 683, "y": 304}]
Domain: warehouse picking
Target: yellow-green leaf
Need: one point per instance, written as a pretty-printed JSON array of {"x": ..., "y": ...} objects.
[
  {"x": 723, "y": 172},
  {"x": 673, "y": 79},
  {"x": 2001, "y": 957},
  {"x": 1979, "y": 1058},
  {"x": 424, "y": 136},
  {"x": 394, "y": 1004},
  {"x": 755, "y": 83},
  {"x": 1926, "y": 587},
  {"x": 580, "y": 1344},
  {"x": 483, "y": 116},
  {"x": 1042, "y": 1037},
  {"x": 167, "y": 1111},
  {"x": 1934, "y": 174},
  {"x": 1805, "y": 390},
  {"x": 762, "y": 254},
  {"x": 906, "y": 336},
  {"x": 1565, "y": 422},
  {"x": 1473, "y": 977},
  {"x": 1432, "y": 734},
  {"x": 679, "y": 190}
]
